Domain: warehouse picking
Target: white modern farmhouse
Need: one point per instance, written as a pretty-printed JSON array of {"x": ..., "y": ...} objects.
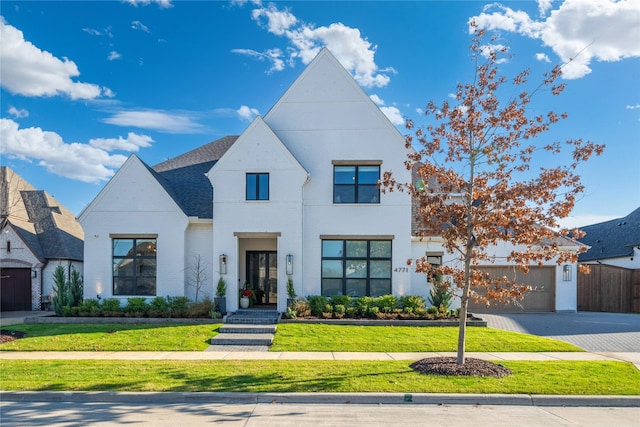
[{"x": 295, "y": 196}]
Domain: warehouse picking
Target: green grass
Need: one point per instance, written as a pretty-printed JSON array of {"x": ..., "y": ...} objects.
[
  {"x": 289, "y": 337},
  {"x": 563, "y": 378},
  {"x": 112, "y": 337},
  {"x": 320, "y": 337}
]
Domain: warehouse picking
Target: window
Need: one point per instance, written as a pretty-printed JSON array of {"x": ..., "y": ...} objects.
[
  {"x": 356, "y": 267},
  {"x": 257, "y": 186},
  {"x": 435, "y": 259},
  {"x": 134, "y": 266},
  {"x": 356, "y": 184}
]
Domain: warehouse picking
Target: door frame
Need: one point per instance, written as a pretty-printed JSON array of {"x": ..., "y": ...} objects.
[{"x": 272, "y": 289}]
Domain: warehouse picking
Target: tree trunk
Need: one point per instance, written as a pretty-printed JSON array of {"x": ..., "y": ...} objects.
[{"x": 464, "y": 304}]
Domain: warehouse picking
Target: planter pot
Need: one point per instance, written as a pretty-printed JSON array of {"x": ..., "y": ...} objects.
[
  {"x": 290, "y": 301},
  {"x": 244, "y": 302},
  {"x": 221, "y": 305}
]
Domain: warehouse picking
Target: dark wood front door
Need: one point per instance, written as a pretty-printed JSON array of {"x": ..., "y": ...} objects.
[{"x": 262, "y": 274}]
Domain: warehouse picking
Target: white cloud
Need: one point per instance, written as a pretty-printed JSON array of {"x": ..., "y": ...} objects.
[
  {"x": 81, "y": 162},
  {"x": 353, "y": 51},
  {"x": 544, "y": 6},
  {"x": 578, "y": 31},
  {"x": 113, "y": 55},
  {"x": 137, "y": 25},
  {"x": 29, "y": 71},
  {"x": 498, "y": 49},
  {"x": 542, "y": 57},
  {"x": 163, "y": 4},
  {"x": 394, "y": 115},
  {"x": 375, "y": 98},
  {"x": 131, "y": 143},
  {"x": 633, "y": 107},
  {"x": 105, "y": 32},
  {"x": 158, "y": 120},
  {"x": 18, "y": 113},
  {"x": 274, "y": 56},
  {"x": 247, "y": 113}
]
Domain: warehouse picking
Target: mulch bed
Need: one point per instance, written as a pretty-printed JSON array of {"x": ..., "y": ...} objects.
[
  {"x": 8, "y": 336},
  {"x": 471, "y": 367}
]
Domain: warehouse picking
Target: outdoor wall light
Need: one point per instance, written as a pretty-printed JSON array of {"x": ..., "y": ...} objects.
[
  {"x": 34, "y": 274},
  {"x": 566, "y": 273},
  {"x": 223, "y": 264},
  {"x": 289, "y": 265}
]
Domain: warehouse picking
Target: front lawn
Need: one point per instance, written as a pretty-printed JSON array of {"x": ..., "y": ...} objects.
[
  {"x": 562, "y": 378},
  {"x": 112, "y": 337},
  {"x": 321, "y": 337}
]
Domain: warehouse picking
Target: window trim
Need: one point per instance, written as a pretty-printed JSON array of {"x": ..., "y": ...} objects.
[
  {"x": 368, "y": 258},
  {"x": 356, "y": 185},
  {"x": 134, "y": 258},
  {"x": 256, "y": 196}
]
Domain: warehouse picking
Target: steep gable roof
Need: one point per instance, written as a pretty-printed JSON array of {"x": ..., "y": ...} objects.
[
  {"x": 47, "y": 228},
  {"x": 611, "y": 239},
  {"x": 183, "y": 177}
]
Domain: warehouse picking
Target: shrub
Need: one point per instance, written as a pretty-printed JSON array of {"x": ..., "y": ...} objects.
[
  {"x": 409, "y": 303},
  {"x": 61, "y": 291},
  {"x": 344, "y": 300},
  {"x": 317, "y": 304},
  {"x": 136, "y": 307},
  {"x": 159, "y": 304},
  {"x": 386, "y": 303},
  {"x": 111, "y": 307},
  {"x": 75, "y": 288},
  {"x": 363, "y": 305},
  {"x": 89, "y": 307},
  {"x": 441, "y": 294},
  {"x": 178, "y": 306},
  {"x": 200, "y": 309},
  {"x": 301, "y": 307}
]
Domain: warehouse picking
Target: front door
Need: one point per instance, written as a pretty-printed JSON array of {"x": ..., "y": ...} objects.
[{"x": 262, "y": 274}]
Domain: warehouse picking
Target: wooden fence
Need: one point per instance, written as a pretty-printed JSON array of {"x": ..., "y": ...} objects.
[{"x": 609, "y": 288}]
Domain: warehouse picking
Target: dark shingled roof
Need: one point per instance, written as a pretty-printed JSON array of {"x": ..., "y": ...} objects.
[
  {"x": 183, "y": 177},
  {"x": 47, "y": 228},
  {"x": 612, "y": 239}
]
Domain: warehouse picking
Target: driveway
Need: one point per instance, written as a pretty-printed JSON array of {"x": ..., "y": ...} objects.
[{"x": 598, "y": 332}]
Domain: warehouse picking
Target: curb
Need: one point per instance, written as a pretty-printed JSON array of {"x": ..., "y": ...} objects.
[{"x": 324, "y": 398}]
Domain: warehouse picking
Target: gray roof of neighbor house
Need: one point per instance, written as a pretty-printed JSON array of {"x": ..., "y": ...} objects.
[
  {"x": 611, "y": 239},
  {"x": 47, "y": 228},
  {"x": 183, "y": 177}
]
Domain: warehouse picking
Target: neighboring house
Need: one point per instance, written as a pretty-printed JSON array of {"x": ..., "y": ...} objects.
[
  {"x": 38, "y": 234},
  {"x": 294, "y": 196},
  {"x": 615, "y": 242}
]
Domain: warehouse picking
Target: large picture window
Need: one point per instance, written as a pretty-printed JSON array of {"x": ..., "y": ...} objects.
[
  {"x": 134, "y": 266},
  {"x": 356, "y": 184},
  {"x": 356, "y": 267},
  {"x": 257, "y": 186}
]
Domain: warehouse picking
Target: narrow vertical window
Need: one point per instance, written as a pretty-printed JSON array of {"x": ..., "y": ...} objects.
[
  {"x": 134, "y": 266},
  {"x": 257, "y": 186}
]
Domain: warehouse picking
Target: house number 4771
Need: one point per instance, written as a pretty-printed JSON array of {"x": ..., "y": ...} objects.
[{"x": 401, "y": 269}]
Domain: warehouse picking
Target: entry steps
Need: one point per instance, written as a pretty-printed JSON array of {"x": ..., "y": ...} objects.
[{"x": 248, "y": 327}]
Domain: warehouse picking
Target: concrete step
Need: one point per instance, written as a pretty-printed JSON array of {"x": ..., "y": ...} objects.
[
  {"x": 239, "y": 320},
  {"x": 242, "y": 339},
  {"x": 247, "y": 329}
]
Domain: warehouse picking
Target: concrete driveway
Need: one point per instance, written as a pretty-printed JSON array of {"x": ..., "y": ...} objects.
[{"x": 598, "y": 332}]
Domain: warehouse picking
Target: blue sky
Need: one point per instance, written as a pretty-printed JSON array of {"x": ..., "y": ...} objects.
[{"x": 87, "y": 83}]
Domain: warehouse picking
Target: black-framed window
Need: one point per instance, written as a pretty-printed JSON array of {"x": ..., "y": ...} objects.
[
  {"x": 134, "y": 266},
  {"x": 356, "y": 184},
  {"x": 257, "y": 186},
  {"x": 356, "y": 267}
]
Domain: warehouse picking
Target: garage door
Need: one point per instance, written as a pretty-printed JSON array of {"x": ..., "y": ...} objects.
[
  {"x": 15, "y": 289},
  {"x": 540, "y": 299}
]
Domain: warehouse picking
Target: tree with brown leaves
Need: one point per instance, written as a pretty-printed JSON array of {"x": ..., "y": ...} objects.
[{"x": 476, "y": 186}]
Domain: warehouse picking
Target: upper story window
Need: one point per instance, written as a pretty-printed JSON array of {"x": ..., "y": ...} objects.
[
  {"x": 257, "y": 186},
  {"x": 356, "y": 183},
  {"x": 134, "y": 266}
]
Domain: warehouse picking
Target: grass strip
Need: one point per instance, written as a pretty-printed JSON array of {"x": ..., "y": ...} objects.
[
  {"x": 557, "y": 377},
  {"x": 321, "y": 337},
  {"x": 112, "y": 337}
]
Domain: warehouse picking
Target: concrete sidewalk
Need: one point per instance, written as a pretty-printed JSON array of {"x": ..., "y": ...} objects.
[{"x": 275, "y": 355}]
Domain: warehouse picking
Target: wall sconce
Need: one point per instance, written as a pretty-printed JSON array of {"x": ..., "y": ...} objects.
[
  {"x": 289, "y": 265},
  {"x": 223, "y": 264},
  {"x": 566, "y": 273},
  {"x": 34, "y": 274}
]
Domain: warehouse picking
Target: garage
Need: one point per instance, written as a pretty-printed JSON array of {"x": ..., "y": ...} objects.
[
  {"x": 541, "y": 298},
  {"x": 15, "y": 289}
]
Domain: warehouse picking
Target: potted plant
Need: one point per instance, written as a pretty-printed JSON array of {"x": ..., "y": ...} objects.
[
  {"x": 245, "y": 298},
  {"x": 220, "y": 301},
  {"x": 291, "y": 292}
]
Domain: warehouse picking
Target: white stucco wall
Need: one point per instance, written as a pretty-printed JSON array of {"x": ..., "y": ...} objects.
[
  {"x": 199, "y": 242},
  {"x": 133, "y": 204}
]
